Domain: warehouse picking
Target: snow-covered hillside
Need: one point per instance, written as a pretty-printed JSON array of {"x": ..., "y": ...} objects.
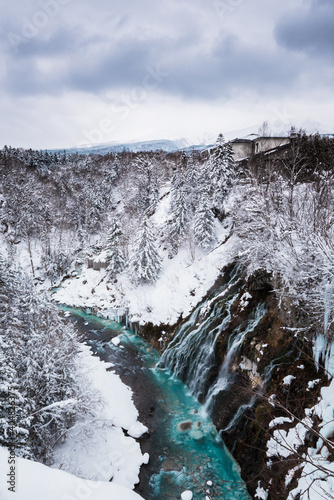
[{"x": 183, "y": 281}]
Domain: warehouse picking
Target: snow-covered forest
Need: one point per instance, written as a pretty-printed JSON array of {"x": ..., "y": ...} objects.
[{"x": 145, "y": 235}]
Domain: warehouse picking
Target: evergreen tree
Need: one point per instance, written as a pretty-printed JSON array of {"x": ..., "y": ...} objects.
[
  {"x": 37, "y": 354},
  {"x": 180, "y": 210},
  {"x": 231, "y": 166},
  {"x": 218, "y": 160},
  {"x": 145, "y": 264},
  {"x": 193, "y": 169},
  {"x": 183, "y": 163},
  {"x": 115, "y": 256},
  {"x": 14, "y": 424},
  {"x": 221, "y": 169},
  {"x": 204, "y": 226},
  {"x": 204, "y": 186},
  {"x": 48, "y": 379},
  {"x": 180, "y": 214},
  {"x": 147, "y": 193}
]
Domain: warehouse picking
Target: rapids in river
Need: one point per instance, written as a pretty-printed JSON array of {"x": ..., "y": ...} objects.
[{"x": 186, "y": 451}]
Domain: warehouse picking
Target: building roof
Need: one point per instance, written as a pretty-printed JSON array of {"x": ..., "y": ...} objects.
[{"x": 255, "y": 137}]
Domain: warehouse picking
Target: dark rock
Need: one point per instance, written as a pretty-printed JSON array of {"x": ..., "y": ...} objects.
[
  {"x": 185, "y": 426},
  {"x": 259, "y": 281}
]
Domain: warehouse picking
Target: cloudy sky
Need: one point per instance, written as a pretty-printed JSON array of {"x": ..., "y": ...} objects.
[{"x": 93, "y": 71}]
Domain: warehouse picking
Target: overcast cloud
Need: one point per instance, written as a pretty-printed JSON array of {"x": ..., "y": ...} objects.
[{"x": 76, "y": 71}]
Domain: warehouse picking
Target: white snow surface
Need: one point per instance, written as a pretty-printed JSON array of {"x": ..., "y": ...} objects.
[
  {"x": 312, "y": 383},
  {"x": 34, "y": 481},
  {"x": 261, "y": 493},
  {"x": 314, "y": 483},
  {"x": 244, "y": 300},
  {"x": 288, "y": 379},
  {"x": 96, "y": 447},
  {"x": 285, "y": 443},
  {"x": 116, "y": 341},
  {"x": 183, "y": 282},
  {"x": 187, "y": 495},
  {"x": 279, "y": 421},
  {"x": 325, "y": 411}
]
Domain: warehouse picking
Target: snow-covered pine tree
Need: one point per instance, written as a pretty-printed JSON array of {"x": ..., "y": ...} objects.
[
  {"x": 183, "y": 162},
  {"x": 204, "y": 185},
  {"x": 180, "y": 214},
  {"x": 218, "y": 160},
  {"x": 145, "y": 263},
  {"x": 192, "y": 171},
  {"x": 115, "y": 257},
  {"x": 230, "y": 162},
  {"x": 180, "y": 210},
  {"x": 14, "y": 424},
  {"x": 147, "y": 193},
  {"x": 48, "y": 379},
  {"x": 37, "y": 363},
  {"x": 221, "y": 170},
  {"x": 204, "y": 225}
]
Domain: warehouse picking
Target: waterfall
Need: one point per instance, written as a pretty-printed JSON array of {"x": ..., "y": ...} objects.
[
  {"x": 277, "y": 363},
  {"x": 241, "y": 410},
  {"x": 191, "y": 354},
  {"x": 234, "y": 343}
]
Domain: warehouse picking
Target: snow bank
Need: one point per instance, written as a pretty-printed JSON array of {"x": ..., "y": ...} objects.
[
  {"x": 96, "y": 447},
  {"x": 34, "y": 481},
  {"x": 325, "y": 411},
  {"x": 315, "y": 483}
]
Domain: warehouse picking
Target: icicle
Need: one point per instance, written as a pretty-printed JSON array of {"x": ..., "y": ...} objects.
[{"x": 323, "y": 352}]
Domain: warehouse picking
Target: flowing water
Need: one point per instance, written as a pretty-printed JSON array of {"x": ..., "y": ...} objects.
[
  {"x": 185, "y": 449},
  {"x": 234, "y": 343},
  {"x": 191, "y": 354}
]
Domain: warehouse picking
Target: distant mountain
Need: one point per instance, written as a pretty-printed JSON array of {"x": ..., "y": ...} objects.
[
  {"x": 137, "y": 147},
  {"x": 275, "y": 128}
]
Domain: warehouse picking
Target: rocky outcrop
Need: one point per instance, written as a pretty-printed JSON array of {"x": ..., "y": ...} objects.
[
  {"x": 269, "y": 352},
  {"x": 243, "y": 412}
]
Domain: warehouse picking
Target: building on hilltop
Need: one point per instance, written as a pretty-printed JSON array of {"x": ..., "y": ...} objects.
[{"x": 254, "y": 144}]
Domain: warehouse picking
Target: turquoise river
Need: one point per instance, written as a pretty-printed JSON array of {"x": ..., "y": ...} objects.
[{"x": 186, "y": 452}]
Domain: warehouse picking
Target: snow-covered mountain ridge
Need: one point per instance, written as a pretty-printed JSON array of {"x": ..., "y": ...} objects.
[
  {"x": 137, "y": 147},
  {"x": 203, "y": 142}
]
